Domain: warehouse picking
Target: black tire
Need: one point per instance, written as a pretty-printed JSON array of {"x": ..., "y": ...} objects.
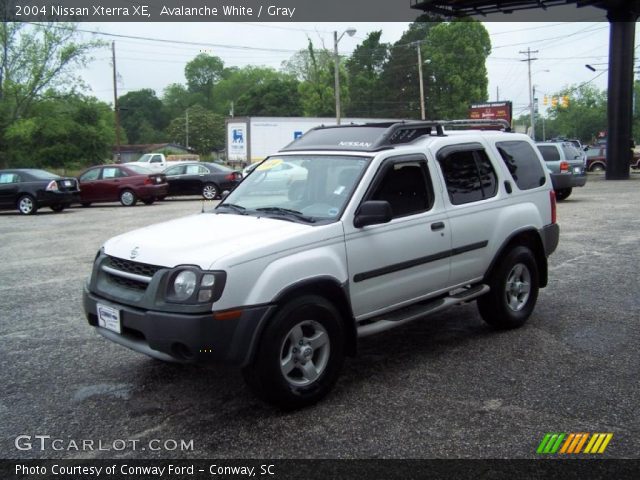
[
  {"x": 149, "y": 201},
  {"x": 27, "y": 205},
  {"x": 128, "y": 198},
  {"x": 162, "y": 197},
  {"x": 597, "y": 167},
  {"x": 210, "y": 191},
  {"x": 57, "y": 208},
  {"x": 506, "y": 305},
  {"x": 86, "y": 204},
  {"x": 319, "y": 322},
  {"x": 563, "y": 193}
]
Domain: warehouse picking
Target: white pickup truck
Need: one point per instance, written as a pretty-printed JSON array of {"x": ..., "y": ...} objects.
[{"x": 158, "y": 162}]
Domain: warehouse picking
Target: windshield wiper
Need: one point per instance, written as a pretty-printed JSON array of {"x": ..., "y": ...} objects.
[
  {"x": 288, "y": 212},
  {"x": 236, "y": 208}
]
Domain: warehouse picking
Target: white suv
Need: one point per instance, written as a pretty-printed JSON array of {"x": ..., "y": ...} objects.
[{"x": 375, "y": 226}]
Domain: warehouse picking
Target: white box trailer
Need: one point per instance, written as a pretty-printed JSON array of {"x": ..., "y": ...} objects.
[{"x": 251, "y": 139}]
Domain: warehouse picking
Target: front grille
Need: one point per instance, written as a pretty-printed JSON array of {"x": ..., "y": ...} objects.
[
  {"x": 128, "y": 283},
  {"x": 133, "y": 267}
]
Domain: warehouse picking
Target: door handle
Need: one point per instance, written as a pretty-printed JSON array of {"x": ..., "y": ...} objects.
[{"x": 437, "y": 226}]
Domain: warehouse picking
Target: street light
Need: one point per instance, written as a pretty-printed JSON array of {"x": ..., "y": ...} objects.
[{"x": 351, "y": 32}]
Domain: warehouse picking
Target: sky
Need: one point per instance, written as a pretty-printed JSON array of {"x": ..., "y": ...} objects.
[{"x": 563, "y": 50}]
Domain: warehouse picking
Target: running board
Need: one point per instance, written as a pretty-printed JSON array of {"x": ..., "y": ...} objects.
[{"x": 413, "y": 312}]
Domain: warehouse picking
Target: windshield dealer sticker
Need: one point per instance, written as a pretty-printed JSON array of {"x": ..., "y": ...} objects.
[{"x": 269, "y": 164}]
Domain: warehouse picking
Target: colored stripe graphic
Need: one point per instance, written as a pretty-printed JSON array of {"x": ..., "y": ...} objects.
[{"x": 573, "y": 443}]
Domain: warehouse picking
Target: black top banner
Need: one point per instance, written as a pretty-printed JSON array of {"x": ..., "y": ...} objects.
[{"x": 260, "y": 11}]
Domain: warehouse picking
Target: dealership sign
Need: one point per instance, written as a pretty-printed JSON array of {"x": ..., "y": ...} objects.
[{"x": 491, "y": 111}]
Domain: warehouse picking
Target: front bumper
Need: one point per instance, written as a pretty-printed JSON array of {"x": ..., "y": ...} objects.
[{"x": 187, "y": 338}]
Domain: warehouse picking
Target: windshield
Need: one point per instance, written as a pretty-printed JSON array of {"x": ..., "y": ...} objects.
[{"x": 304, "y": 188}]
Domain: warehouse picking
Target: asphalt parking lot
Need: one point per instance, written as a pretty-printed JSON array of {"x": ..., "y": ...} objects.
[{"x": 444, "y": 387}]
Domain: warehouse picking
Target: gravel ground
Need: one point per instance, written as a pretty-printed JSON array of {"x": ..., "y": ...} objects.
[{"x": 444, "y": 387}]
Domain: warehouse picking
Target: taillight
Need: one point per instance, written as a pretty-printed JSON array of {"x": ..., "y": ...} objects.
[
  {"x": 52, "y": 187},
  {"x": 564, "y": 167},
  {"x": 552, "y": 200},
  {"x": 148, "y": 181},
  {"x": 232, "y": 177}
]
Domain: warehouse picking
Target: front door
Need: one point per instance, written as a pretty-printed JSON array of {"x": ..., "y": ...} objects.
[{"x": 397, "y": 263}]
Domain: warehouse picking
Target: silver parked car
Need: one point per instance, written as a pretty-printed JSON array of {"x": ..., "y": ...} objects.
[{"x": 567, "y": 165}]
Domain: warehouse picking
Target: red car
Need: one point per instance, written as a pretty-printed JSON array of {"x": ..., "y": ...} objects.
[{"x": 124, "y": 183}]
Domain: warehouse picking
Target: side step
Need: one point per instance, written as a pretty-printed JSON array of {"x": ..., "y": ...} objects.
[{"x": 419, "y": 310}]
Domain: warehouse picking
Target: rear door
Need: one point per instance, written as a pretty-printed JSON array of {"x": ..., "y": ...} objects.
[
  {"x": 177, "y": 182},
  {"x": 399, "y": 262},
  {"x": 9, "y": 188},
  {"x": 194, "y": 178},
  {"x": 111, "y": 183}
]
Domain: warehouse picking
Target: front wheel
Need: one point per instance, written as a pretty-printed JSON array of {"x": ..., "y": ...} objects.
[
  {"x": 514, "y": 286},
  {"x": 27, "y": 205},
  {"x": 209, "y": 191},
  {"x": 300, "y": 354},
  {"x": 128, "y": 198},
  {"x": 563, "y": 194}
]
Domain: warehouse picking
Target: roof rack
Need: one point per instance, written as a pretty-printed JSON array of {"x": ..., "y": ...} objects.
[{"x": 380, "y": 135}]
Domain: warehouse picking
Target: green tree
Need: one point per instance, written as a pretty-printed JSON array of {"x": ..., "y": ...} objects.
[
  {"x": 143, "y": 116},
  {"x": 82, "y": 133},
  {"x": 206, "y": 130},
  {"x": 457, "y": 74},
  {"x": 176, "y": 99},
  {"x": 315, "y": 70},
  {"x": 202, "y": 74},
  {"x": 399, "y": 91},
  {"x": 35, "y": 58},
  {"x": 364, "y": 68},
  {"x": 277, "y": 97},
  {"x": 583, "y": 118}
]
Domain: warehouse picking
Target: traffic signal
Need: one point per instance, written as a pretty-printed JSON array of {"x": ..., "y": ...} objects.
[
  {"x": 554, "y": 101},
  {"x": 565, "y": 101},
  {"x": 545, "y": 100}
]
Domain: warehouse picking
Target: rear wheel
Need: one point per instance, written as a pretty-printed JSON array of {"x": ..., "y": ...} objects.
[
  {"x": 27, "y": 205},
  {"x": 514, "y": 286},
  {"x": 128, "y": 198},
  {"x": 597, "y": 167},
  {"x": 563, "y": 194},
  {"x": 57, "y": 208},
  {"x": 209, "y": 191},
  {"x": 300, "y": 354}
]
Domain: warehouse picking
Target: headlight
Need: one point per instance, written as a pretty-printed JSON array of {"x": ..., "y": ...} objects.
[
  {"x": 184, "y": 285},
  {"x": 192, "y": 285}
]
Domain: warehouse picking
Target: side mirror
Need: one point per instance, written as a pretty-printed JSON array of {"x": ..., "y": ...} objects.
[{"x": 373, "y": 212}]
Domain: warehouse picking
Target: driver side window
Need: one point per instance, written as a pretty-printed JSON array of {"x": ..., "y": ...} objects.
[{"x": 406, "y": 185}]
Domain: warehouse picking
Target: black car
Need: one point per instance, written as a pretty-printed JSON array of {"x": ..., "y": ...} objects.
[
  {"x": 28, "y": 189},
  {"x": 200, "y": 178}
]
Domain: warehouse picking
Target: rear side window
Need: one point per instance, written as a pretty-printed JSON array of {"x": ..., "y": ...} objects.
[
  {"x": 523, "y": 163},
  {"x": 469, "y": 176},
  {"x": 571, "y": 153},
  {"x": 9, "y": 178},
  {"x": 549, "y": 153}
]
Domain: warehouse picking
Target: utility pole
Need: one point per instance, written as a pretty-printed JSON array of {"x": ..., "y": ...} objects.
[
  {"x": 529, "y": 60},
  {"x": 422, "y": 109},
  {"x": 497, "y": 93},
  {"x": 115, "y": 102},
  {"x": 186, "y": 127}
]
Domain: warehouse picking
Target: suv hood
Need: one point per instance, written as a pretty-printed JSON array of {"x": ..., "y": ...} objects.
[{"x": 201, "y": 239}]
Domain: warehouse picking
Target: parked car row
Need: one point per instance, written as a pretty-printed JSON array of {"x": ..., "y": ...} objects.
[{"x": 30, "y": 189}]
